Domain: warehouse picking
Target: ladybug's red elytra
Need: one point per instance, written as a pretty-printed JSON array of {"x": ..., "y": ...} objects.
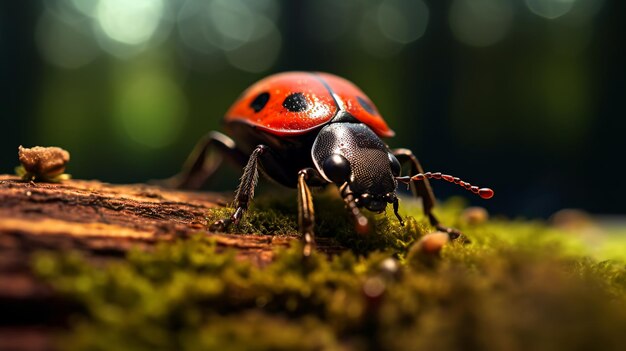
[
  {"x": 295, "y": 103},
  {"x": 306, "y": 129}
]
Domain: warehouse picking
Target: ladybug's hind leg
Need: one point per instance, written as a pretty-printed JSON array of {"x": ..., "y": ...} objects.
[
  {"x": 423, "y": 189},
  {"x": 204, "y": 160}
]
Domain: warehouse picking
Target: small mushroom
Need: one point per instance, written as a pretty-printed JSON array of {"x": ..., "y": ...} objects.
[
  {"x": 428, "y": 249},
  {"x": 432, "y": 243},
  {"x": 43, "y": 163}
]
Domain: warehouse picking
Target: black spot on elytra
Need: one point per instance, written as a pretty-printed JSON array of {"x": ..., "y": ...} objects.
[
  {"x": 295, "y": 102},
  {"x": 260, "y": 101},
  {"x": 366, "y": 105}
]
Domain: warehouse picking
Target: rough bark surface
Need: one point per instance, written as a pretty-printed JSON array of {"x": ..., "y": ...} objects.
[{"x": 102, "y": 220}]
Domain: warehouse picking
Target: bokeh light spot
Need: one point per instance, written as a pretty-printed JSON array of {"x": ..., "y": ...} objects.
[
  {"x": 373, "y": 40},
  {"x": 403, "y": 21},
  {"x": 87, "y": 7},
  {"x": 550, "y": 9},
  {"x": 234, "y": 21},
  {"x": 129, "y": 22},
  {"x": 242, "y": 32},
  {"x": 151, "y": 109},
  {"x": 258, "y": 55},
  {"x": 194, "y": 24},
  {"x": 63, "y": 10},
  {"x": 481, "y": 23}
]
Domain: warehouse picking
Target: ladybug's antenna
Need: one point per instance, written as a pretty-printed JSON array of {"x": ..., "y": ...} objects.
[{"x": 485, "y": 193}]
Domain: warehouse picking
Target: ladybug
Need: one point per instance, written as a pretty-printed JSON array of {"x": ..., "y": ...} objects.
[{"x": 310, "y": 129}]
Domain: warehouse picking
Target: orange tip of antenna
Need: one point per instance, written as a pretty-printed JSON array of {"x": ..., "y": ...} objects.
[{"x": 485, "y": 193}]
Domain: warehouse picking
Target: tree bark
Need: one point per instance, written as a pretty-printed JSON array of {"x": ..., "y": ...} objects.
[{"x": 103, "y": 221}]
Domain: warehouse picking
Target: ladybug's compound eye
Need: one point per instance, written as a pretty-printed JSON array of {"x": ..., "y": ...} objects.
[
  {"x": 366, "y": 105},
  {"x": 395, "y": 165},
  {"x": 260, "y": 101},
  {"x": 337, "y": 169},
  {"x": 295, "y": 102}
]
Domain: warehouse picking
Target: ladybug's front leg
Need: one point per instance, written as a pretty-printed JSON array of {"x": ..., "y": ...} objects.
[
  {"x": 245, "y": 191},
  {"x": 422, "y": 189},
  {"x": 306, "y": 214}
]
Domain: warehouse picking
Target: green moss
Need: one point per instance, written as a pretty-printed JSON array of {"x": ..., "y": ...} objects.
[
  {"x": 278, "y": 216},
  {"x": 517, "y": 285},
  {"x": 257, "y": 221}
]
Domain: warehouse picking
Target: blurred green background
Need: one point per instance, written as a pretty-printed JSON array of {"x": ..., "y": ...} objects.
[{"x": 525, "y": 96}]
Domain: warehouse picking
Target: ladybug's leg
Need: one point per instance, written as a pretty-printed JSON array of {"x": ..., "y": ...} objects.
[
  {"x": 423, "y": 189},
  {"x": 205, "y": 158},
  {"x": 245, "y": 191},
  {"x": 306, "y": 214},
  {"x": 361, "y": 224}
]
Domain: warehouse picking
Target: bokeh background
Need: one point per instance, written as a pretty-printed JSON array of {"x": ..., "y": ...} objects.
[{"x": 525, "y": 96}]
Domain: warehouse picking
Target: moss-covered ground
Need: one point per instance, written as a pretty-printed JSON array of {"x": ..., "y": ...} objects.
[{"x": 516, "y": 285}]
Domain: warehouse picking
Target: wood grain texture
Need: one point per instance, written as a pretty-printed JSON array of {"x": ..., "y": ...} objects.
[{"x": 103, "y": 221}]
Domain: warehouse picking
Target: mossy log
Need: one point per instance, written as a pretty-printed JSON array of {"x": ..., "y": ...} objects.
[
  {"x": 103, "y": 221},
  {"x": 511, "y": 285},
  {"x": 107, "y": 219}
]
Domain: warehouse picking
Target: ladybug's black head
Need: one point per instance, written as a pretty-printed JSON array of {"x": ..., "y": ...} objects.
[{"x": 352, "y": 156}]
